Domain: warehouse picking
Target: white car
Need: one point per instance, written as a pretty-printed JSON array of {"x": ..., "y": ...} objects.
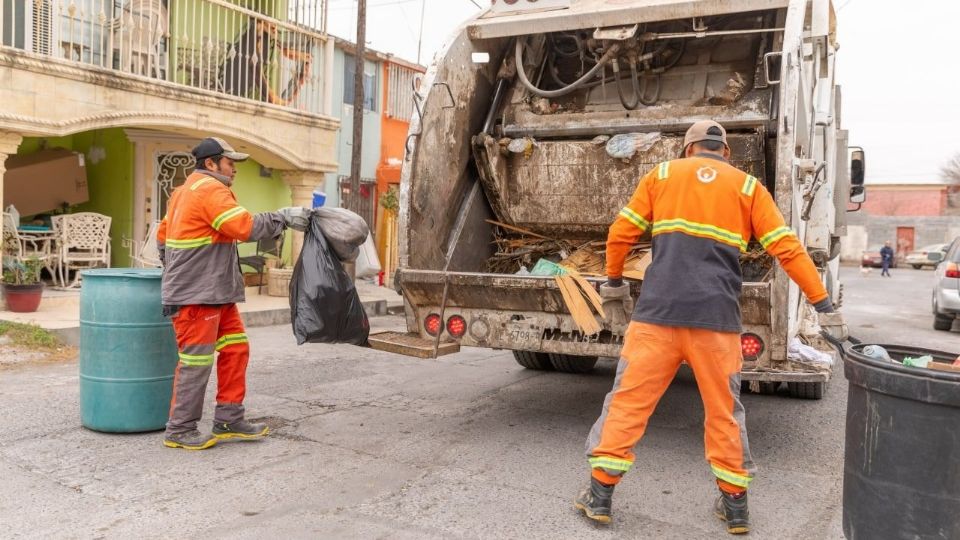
[
  {"x": 926, "y": 256},
  {"x": 946, "y": 288}
]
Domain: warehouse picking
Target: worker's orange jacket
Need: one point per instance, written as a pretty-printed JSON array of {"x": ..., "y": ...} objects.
[
  {"x": 198, "y": 242},
  {"x": 703, "y": 213}
]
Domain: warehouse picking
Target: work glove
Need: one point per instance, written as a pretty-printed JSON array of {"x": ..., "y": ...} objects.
[
  {"x": 617, "y": 303},
  {"x": 833, "y": 325},
  {"x": 296, "y": 217}
]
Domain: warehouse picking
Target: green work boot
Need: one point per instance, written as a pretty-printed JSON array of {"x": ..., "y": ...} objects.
[
  {"x": 733, "y": 510},
  {"x": 596, "y": 501},
  {"x": 189, "y": 440},
  {"x": 239, "y": 430}
]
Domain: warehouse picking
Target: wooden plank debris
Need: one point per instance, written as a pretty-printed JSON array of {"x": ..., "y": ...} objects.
[{"x": 577, "y": 306}]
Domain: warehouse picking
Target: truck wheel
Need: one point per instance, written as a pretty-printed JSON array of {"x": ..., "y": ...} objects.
[
  {"x": 942, "y": 322},
  {"x": 806, "y": 390},
  {"x": 917, "y": 266},
  {"x": 767, "y": 388},
  {"x": 533, "y": 360},
  {"x": 568, "y": 363}
]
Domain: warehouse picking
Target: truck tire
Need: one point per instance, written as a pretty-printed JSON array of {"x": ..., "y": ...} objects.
[
  {"x": 942, "y": 322},
  {"x": 767, "y": 388},
  {"x": 806, "y": 390},
  {"x": 569, "y": 363},
  {"x": 917, "y": 266},
  {"x": 533, "y": 360}
]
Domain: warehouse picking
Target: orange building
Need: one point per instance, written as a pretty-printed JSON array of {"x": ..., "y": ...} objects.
[{"x": 399, "y": 79}]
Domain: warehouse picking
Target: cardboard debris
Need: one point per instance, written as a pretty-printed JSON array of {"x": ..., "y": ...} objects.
[{"x": 45, "y": 181}]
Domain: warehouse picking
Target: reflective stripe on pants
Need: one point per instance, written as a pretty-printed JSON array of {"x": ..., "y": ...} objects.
[
  {"x": 203, "y": 332},
  {"x": 649, "y": 361}
]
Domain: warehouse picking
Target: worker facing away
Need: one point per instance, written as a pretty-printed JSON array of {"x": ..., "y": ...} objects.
[
  {"x": 200, "y": 289},
  {"x": 702, "y": 212}
]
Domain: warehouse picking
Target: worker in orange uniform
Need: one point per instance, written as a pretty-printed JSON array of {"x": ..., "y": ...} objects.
[
  {"x": 702, "y": 212},
  {"x": 200, "y": 289}
]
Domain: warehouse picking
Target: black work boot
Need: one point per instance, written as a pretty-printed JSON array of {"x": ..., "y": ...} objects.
[
  {"x": 596, "y": 501},
  {"x": 240, "y": 430},
  {"x": 733, "y": 510}
]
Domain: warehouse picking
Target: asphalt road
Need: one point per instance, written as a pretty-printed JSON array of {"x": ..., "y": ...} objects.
[{"x": 370, "y": 445}]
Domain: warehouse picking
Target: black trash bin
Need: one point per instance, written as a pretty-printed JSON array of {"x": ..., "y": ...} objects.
[{"x": 901, "y": 471}]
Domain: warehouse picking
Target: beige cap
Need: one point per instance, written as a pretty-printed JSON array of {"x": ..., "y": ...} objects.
[
  {"x": 215, "y": 146},
  {"x": 698, "y": 132}
]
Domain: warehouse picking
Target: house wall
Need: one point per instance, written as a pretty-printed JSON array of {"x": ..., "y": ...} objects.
[
  {"x": 111, "y": 186},
  {"x": 370, "y": 151},
  {"x": 905, "y": 202},
  {"x": 109, "y": 181}
]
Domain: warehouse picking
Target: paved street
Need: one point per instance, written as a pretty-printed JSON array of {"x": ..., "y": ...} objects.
[{"x": 370, "y": 445}]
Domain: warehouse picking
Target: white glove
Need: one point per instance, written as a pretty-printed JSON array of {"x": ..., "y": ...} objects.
[
  {"x": 832, "y": 323},
  {"x": 617, "y": 304},
  {"x": 296, "y": 217}
]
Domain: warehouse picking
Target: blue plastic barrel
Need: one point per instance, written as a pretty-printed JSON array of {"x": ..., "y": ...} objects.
[{"x": 128, "y": 352}]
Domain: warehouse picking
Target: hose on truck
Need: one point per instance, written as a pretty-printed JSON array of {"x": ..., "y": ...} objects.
[{"x": 521, "y": 72}]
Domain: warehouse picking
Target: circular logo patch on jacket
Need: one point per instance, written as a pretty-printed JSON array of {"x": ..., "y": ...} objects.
[{"x": 706, "y": 175}]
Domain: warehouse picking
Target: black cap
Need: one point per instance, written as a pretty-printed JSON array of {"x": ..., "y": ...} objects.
[{"x": 215, "y": 146}]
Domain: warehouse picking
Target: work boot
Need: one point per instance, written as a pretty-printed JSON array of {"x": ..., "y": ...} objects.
[
  {"x": 189, "y": 440},
  {"x": 733, "y": 510},
  {"x": 240, "y": 429},
  {"x": 596, "y": 501}
]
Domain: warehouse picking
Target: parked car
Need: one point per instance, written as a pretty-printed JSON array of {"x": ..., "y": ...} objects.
[
  {"x": 946, "y": 288},
  {"x": 927, "y": 256},
  {"x": 871, "y": 257}
]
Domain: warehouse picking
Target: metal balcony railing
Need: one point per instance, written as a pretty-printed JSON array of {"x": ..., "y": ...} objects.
[{"x": 270, "y": 51}]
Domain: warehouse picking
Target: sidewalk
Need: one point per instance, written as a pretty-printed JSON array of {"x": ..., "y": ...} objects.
[{"x": 60, "y": 310}]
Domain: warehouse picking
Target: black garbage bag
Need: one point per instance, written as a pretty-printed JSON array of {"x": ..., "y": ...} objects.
[{"x": 324, "y": 304}]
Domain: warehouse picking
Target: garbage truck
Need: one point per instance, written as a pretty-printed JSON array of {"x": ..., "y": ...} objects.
[{"x": 510, "y": 160}]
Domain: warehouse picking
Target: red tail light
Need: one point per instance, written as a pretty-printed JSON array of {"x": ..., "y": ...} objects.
[
  {"x": 953, "y": 270},
  {"x": 456, "y": 326},
  {"x": 751, "y": 345},
  {"x": 433, "y": 324}
]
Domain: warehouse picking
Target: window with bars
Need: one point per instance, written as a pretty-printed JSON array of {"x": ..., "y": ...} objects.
[
  {"x": 400, "y": 83},
  {"x": 369, "y": 84}
]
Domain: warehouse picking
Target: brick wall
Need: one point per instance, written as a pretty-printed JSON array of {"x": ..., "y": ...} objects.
[{"x": 905, "y": 202}]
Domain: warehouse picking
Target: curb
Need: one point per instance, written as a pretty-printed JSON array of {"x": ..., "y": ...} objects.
[{"x": 251, "y": 319}]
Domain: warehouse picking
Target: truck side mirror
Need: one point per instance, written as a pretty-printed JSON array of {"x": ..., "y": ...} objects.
[{"x": 858, "y": 162}]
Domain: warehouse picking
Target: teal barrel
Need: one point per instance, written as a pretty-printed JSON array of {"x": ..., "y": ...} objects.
[{"x": 128, "y": 352}]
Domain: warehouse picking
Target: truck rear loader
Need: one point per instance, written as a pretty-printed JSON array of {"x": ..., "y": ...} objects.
[{"x": 536, "y": 121}]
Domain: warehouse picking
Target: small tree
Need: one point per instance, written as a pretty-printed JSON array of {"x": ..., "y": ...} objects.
[{"x": 951, "y": 169}]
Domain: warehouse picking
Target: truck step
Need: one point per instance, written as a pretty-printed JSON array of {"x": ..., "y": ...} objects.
[{"x": 411, "y": 344}]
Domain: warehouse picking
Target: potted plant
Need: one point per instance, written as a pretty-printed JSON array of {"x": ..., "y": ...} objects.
[{"x": 22, "y": 288}]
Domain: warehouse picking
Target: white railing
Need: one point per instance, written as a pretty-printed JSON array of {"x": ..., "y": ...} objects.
[
  {"x": 271, "y": 51},
  {"x": 400, "y": 83}
]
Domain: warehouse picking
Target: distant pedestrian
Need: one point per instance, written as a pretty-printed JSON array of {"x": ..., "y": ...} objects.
[{"x": 886, "y": 258}]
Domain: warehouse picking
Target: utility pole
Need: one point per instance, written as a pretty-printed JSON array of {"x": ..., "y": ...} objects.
[
  {"x": 358, "y": 99},
  {"x": 423, "y": 9}
]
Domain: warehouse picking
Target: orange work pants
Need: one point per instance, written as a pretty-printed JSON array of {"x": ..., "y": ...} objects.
[
  {"x": 202, "y": 332},
  {"x": 649, "y": 361}
]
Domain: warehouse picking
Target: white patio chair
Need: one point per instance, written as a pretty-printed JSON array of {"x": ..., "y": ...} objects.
[
  {"x": 145, "y": 253},
  {"x": 24, "y": 246},
  {"x": 84, "y": 244}
]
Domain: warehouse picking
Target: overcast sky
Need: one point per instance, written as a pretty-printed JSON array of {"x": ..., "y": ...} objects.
[{"x": 897, "y": 66}]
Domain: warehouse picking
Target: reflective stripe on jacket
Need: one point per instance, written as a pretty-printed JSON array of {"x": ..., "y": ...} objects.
[
  {"x": 702, "y": 212},
  {"x": 198, "y": 242}
]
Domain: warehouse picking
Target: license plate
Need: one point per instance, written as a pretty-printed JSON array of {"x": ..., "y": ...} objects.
[{"x": 523, "y": 335}]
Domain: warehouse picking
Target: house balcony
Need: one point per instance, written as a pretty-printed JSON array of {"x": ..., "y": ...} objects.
[{"x": 258, "y": 72}]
